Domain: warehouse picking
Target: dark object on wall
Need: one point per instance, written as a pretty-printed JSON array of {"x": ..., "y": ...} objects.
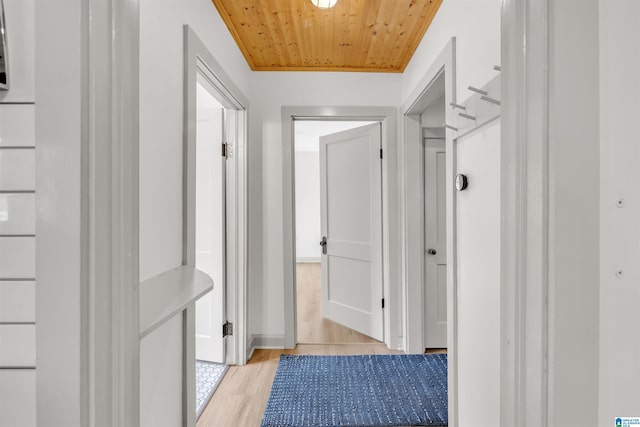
[
  {"x": 461, "y": 182},
  {"x": 4, "y": 65}
]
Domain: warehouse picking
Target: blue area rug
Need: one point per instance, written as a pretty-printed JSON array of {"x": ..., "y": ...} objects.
[
  {"x": 372, "y": 390},
  {"x": 208, "y": 377}
]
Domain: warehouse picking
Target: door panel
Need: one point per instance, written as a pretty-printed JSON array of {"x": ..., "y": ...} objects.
[
  {"x": 351, "y": 220},
  {"x": 435, "y": 240},
  {"x": 478, "y": 277},
  {"x": 210, "y": 226}
]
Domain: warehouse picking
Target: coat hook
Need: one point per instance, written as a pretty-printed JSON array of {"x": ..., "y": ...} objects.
[
  {"x": 497, "y": 68},
  {"x": 480, "y": 91},
  {"x": 489, "y": 99},
  {"x": 461, "y": 107},
  {"x": 455, "y": 129},
  {"x": 467, "y": 116}
]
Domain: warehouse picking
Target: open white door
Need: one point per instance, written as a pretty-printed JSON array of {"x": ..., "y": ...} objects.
[
  {"x": 210, "y": 224},
  {"x": 351, "y": 222},
  {"x": 435, "y": 261}
]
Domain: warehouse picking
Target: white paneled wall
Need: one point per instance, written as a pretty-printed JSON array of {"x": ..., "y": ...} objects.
[
  {"x": 17, "y": 266},
  {"x": 16, "y": 125},
  {"x": 17, "y": 397},
  {"x": 17, "y": 171}
]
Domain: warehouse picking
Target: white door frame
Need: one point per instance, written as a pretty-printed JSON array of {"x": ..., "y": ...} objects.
[
  {"x": 198, "y": 59},
  {"x": 413, "y": 222},
  {"x": 390, "y": 215},
  {"x": 411, "y": 154}
]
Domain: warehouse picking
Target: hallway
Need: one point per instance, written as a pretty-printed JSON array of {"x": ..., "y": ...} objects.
[{"x": 242, "y": 395}]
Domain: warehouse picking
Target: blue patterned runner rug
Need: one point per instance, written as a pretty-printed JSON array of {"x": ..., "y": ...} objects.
[{"x": 364, "y": 391}]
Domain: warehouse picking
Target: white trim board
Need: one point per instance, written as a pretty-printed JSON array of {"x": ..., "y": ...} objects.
[
  {"x": 260, "y": 341},
  {"x": 313, "y": 260},
  {"x": 390, "y": 215}
]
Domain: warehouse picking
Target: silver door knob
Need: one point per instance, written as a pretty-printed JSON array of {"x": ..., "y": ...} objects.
[{"x": 432, "y": 252}]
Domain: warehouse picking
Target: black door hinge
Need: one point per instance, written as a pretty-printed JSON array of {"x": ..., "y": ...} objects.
[
  {"x": 227, "y": 329},
  {"x": 381, "y": 153},
  {"x": 224, "y": 150},
  {"x": 382, "y": 302}
]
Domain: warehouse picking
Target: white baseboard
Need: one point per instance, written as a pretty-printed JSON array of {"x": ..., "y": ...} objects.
[
  {"x": 309, "y": 259},
  {"x": 257, "y": 341}
]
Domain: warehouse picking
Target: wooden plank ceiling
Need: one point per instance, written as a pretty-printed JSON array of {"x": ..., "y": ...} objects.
[{"x": 354, "y": 35}]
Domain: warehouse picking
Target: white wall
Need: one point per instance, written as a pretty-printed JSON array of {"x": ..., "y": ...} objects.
[
  {"x": 17, "y": 221},
  {"x": 161, "y": 145},
  {"x": 619, "y": 226},
  {"x": 58, "y": 89},
  {"x": 161, "y": 96},
  {"x": 434, "y": 116},
  {"x": 270, "y": 92},
  {"x": 308, "y": 206},
  {"x": 161, "y": 399},
  {"x": 478, "y": 277},
  {"x": 476, "y": 26}
]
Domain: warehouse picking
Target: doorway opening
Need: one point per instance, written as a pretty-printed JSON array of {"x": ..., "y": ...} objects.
[
  {"x": 210, "y": 241},
  {"x": 214, "y": 218},
  {"x": 211, "y": 221},
  {"x": 317, "y": 323},
  {"x": 434, "y": 171},
  {"x": 385, "y": 119}
]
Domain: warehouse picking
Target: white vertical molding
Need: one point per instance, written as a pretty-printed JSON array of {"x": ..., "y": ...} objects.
[
  {"x": 288, "y": 228},
  {"x": 87, "y": 221},
  {"x": 189, "y": 366},
  {"x": 241, "y": 238},
  {"x": 550, "y": 224},
  {"x": 116, "y": 271},
  {"x": 525, "y": 226},
  {"x": 574, "y": 206}
]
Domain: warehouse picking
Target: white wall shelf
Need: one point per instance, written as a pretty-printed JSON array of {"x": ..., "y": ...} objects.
[{"x": 169, "y": 293}]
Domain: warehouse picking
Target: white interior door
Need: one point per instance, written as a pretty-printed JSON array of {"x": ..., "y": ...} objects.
[
  {"x": 478, "y": 277},
  {"x": 351, "y": 222},
  {"x": 435, "y": 260},
  {"x": 210, "y": 224}
]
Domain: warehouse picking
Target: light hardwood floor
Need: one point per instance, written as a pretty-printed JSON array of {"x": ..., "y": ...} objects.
[
  {"x": 312, "y": 327},
  {"x": 242, "y": 396}
]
